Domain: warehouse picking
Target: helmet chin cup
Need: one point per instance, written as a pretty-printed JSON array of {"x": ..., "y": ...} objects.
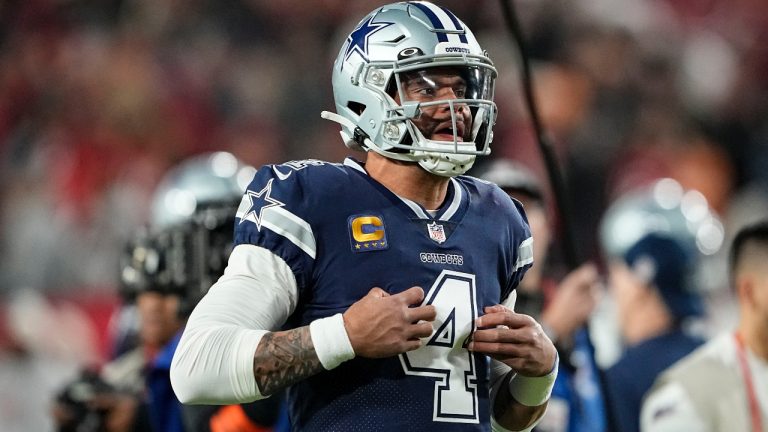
[{"x": 444, "y": 158}]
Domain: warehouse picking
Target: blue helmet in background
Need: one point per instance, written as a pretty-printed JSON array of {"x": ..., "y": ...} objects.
[{"x": 662, "y": 232}]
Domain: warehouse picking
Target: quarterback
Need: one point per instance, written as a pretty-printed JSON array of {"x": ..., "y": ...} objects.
[{"x": 380, "y": 294}]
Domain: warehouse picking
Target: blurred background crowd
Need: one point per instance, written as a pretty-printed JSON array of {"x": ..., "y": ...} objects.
[{"x": 98, "y": 99}]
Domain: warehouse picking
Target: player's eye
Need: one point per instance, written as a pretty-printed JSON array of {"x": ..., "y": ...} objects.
[{"x": 425, "y": 91}]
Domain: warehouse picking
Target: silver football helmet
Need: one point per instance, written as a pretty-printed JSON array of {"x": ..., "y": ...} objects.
[
  {"x": 663, "y": 208},
  {"x": 665, "y": 234},
  {"x": 203, "y": 180},
  {"x": 412, "y": 83},
  {"x": 189, "y": 238}
]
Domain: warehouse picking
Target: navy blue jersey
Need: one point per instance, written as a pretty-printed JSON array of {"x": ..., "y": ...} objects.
[
  {"x": 630, "y": 378},
  {"x": 342, "y": 233}
]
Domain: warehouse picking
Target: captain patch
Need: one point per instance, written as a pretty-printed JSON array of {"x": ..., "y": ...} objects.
[{"x": 367, "y": 233}]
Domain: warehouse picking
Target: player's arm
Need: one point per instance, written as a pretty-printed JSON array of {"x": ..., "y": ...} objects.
[
  {"x": 524, "y": 366},
  {"x": 213, "y": 363},
  {"x": 378, "y": 325},
  {"x": 231, "y": 353}
]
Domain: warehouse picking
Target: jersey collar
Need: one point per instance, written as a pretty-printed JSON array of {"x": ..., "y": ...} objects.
[{"x": 452, "y": 210}]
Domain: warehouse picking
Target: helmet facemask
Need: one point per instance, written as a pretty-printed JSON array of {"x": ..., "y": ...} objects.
[{"x": 447, "y": 112}]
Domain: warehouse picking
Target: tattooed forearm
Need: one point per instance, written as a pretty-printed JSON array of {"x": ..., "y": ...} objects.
[{"x": 283, "y": 358}]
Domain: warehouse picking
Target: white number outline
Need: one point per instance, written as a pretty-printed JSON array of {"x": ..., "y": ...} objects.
[{"x": 443, "y": 374}]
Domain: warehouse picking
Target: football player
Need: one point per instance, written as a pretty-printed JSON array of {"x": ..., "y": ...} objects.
[{"x": 381, "y": 293}]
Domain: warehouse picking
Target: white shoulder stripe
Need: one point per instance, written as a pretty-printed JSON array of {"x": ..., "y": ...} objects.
[
  {"x": 282, "y": 222},
  {"x": 292, "y": 227},
  {"x": 524, "y": 254}
]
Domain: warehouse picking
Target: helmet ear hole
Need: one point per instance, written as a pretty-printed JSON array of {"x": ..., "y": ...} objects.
[
  {"x": 391, "y": 89},
  {"x": 356, "y": 107}
]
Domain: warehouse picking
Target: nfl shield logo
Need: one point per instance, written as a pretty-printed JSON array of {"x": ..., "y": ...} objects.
[{"x": 436, "y": 232}]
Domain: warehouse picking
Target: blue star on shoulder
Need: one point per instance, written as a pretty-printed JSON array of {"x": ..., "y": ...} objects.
[
  {"x": 358, "y": 39},
  {"x": 259, "y": 201}
]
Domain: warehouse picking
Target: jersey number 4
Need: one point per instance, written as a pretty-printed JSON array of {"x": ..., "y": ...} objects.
[{"x": 445, "y": 356}]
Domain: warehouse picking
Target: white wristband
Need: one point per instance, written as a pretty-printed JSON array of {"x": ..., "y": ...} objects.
[
  {"x": 533, "y": 391},
  {"x": 331, "y": 341}
]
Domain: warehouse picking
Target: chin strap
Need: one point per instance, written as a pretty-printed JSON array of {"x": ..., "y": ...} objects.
[
  {"x": 359, "y": 140},
  {"x": 332, "y": 116}
]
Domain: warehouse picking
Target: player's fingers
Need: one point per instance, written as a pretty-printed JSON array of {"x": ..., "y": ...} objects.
[
  {"x": 517, "y": 336},
  {"x": 494, "y": 316},
  {"x": 425, "y": 313},
  {"x": 412, "y": 344},
  {"x": 378, "y": 292},
  {"x": 497, "y": 350},
  {"x": 496, "y": 309},
  {"x": 421, "y": 330},
  {"x": 411, "y": 296}
]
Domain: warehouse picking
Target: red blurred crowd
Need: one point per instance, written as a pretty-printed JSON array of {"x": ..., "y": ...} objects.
[{"x": 99, "y": 98}]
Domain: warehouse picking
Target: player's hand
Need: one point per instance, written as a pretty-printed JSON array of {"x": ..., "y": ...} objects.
[
  {"x": 382, "y": 325},
  {"x": 514, "y": 339},
  {"x": 576, "y": 298}
]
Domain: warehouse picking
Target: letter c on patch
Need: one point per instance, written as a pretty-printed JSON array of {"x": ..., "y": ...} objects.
[{"x": 367, "y": 228}]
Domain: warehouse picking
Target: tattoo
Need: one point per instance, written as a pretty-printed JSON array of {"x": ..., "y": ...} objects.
[{"x": 284, "y": 358}]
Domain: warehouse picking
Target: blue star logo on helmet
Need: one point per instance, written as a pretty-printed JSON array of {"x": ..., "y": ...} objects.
[{"x": 358, "y": 39}]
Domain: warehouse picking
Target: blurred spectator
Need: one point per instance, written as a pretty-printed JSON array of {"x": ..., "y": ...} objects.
[
  {"x": 654, "y": 240},
  {"x": 724, "y": 384},
  {"x": 562, "y": 307}
]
